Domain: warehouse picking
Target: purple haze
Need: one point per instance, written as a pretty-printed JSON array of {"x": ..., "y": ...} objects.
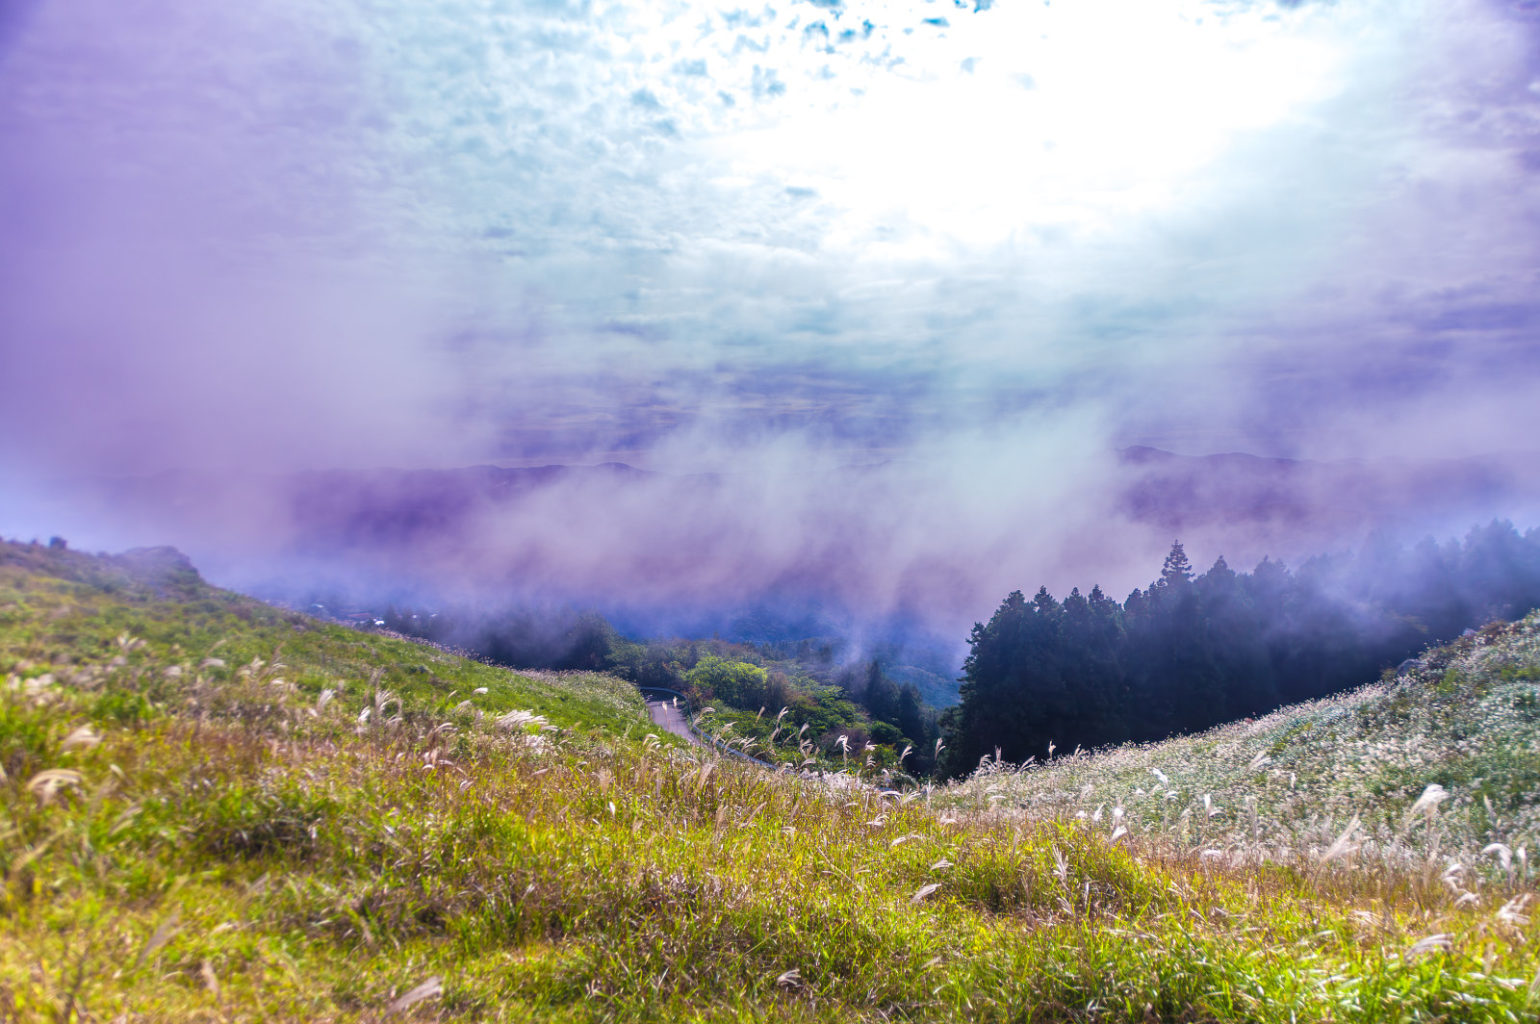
[{"x": 872, "y": 312}]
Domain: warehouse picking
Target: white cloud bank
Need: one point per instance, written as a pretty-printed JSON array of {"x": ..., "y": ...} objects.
[{"x": 288, "y": 234}]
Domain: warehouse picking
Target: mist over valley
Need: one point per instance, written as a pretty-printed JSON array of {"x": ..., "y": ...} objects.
[{"x": 855, "y": 510}]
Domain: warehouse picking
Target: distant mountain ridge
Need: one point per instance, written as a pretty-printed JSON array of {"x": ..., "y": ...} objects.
[
  {"x": 353, "y": 508},
  {"x": 1163, "y": 488},
  {"x": 1184, "y": 492},
  {"x": 364, "y": 507}
]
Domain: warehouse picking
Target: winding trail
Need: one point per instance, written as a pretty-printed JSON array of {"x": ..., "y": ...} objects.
[
  {"x": 670, "y": 709},
  {"x": 668, "y": 715}
]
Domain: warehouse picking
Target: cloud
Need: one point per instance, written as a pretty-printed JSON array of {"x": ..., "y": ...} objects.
[{"x": 289, "y": 235}]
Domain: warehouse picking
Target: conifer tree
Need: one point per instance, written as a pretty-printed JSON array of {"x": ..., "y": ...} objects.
[
  {"x": 1177, "y": 570},
  {"x": 1189, "y": 652}
]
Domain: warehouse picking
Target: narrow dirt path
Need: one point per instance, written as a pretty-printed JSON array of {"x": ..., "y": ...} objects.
[{"x": 668, "y": 715}]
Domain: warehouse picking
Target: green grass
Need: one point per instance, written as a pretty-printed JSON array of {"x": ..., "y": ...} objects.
[
  {"x": 228, "y": 843},
  {"x": 66, "y": 614},
  {"x": 1282, "y": 788}
]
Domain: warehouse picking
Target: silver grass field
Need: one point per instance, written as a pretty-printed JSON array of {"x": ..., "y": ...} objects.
[{"x": 219, "y": 811}]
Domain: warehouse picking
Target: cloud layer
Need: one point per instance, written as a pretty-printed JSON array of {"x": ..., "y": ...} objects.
[{"x": 980, "y": 245}]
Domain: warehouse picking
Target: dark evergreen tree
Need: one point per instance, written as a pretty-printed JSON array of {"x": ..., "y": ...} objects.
[
  {"x": 998, "y": 687},
  {"x": 1191, "y": 651},
  {"x": 1176, "y": 572},
  {"x": 1235, "y": 633},
  {"x": 879, "y": 695},
  {"x": 911, "y": 718}
]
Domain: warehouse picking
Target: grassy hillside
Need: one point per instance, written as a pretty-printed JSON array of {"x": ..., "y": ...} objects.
[
  {"x": 102, "y": 624},
  {"x": 218, "y": 811},
  {"x": 1464, "y": 719}
]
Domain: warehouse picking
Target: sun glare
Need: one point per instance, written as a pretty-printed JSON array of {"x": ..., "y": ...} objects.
[{"x": 1034, "y": 118}]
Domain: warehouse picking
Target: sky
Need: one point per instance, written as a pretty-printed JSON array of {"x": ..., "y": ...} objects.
[{"x": 977, "y": 245}]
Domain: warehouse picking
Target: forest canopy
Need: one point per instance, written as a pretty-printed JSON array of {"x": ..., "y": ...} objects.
[{"x": 1194, "y": 650}]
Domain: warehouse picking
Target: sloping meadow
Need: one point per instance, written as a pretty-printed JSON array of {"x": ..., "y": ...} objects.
[
  {"x": 1439, "y": 765},
  {"x": 215, "y": 810}
]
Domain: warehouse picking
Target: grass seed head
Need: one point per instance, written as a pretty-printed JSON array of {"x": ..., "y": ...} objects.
[
  {"x": 1343, "y": 846},
  {"x": 47, "y": 784},
  {"x": 924, "y": 891},
  {"x": 82, "y": 738},
  {"x": 1429, "y": 801},
  {"x": 1439, "y": 943}
]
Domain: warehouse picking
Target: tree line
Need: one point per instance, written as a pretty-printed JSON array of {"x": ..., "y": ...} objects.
[
  {"x": 1195, "y": 650},
  {"x": 826, "y": 694}
]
